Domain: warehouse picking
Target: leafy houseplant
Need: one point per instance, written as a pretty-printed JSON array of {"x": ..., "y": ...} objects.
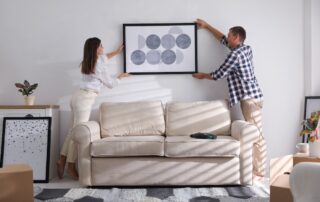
[
  {"x": 27, "y": 89},
  {"x": 311, "y": 127}
]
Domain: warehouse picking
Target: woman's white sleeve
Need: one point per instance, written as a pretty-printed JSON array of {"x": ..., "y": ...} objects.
[
  {"x": 107, "y": 80},
  {"x": 103, "y": 74}
]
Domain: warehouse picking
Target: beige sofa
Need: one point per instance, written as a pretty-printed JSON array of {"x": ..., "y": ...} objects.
[{"x": 146, "y": 143}]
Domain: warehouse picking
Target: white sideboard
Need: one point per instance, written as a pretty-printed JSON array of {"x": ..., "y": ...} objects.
[{"x": 37, "y": 111}]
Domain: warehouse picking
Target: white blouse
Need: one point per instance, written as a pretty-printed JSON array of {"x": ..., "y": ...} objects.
[{"x": 100, "y": 77}]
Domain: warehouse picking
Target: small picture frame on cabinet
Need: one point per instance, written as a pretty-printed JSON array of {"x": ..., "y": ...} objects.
[{"x": 26, "y": 140}]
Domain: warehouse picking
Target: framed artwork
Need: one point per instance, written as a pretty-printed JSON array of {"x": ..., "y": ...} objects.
[
  {"x": 27, "y": 140},
  {"x": 160, "y": 48},
  {"x": 311, "y": 104}
]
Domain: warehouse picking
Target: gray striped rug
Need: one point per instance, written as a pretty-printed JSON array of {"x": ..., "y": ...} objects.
[{"x": 153, "y": 194}]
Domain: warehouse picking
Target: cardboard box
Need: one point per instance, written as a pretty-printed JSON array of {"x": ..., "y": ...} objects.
[
  {"x": 16, "y": 183},
  {"x": 280, "y": 187},
  {"x": 279, "y": 165},
  {"x": 297, "y": 158},
  {"x": 280, "y": 190}
]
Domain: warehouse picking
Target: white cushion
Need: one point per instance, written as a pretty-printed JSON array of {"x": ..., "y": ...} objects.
[
  {"x": 185, "y": 146},
  {"x": 185, "y": 118},
  {"x": 128, "y": 146},
  {"x": 132, "y": 118}
]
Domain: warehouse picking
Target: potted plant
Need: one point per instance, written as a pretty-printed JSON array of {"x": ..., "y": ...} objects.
[
  {"x": 311, "y": 129},
  {"x": 26, "y": 90}
]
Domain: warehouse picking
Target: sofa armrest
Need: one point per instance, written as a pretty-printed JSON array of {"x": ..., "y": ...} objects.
[
  {"x": 83, "y": 135},
  {"x": 247, "y": 134}
]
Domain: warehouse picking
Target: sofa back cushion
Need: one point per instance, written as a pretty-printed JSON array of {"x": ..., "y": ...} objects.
[
  {"x": 185, "y": 118},
  {"x": 132, "y": 118}
]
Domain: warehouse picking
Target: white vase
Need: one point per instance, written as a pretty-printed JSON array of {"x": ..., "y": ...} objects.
[
  {"x": 314, "y": 149},
  {"x": 29, "y": 100}
]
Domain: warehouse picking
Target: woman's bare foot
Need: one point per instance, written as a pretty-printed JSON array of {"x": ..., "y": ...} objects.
[
  {"x": 60, "y": 169},
  {"x": 60, "y": 166},
  {"x": 72, "y": 171}
]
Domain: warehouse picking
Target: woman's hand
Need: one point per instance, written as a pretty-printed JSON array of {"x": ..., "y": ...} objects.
[
  {"x": 116, "y": 52},
  {"x": 120, "y": 49},
  {"x": 122, "y": 75}
]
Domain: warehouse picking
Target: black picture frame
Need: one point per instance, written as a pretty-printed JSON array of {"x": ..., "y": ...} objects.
[
  {"x": 27, "y": 140},
  {"x": 311, "y": 104},
  {"x": 164, "y": 59}
]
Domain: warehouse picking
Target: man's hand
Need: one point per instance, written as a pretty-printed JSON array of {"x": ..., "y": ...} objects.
[
  {"x": 201, "y": 75},
  {"x": 201, "y": 23}
]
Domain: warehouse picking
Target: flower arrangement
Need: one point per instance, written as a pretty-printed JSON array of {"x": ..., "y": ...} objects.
[
  {"x": 311, "y": 127},
  {"x": 26, "y": 88}
]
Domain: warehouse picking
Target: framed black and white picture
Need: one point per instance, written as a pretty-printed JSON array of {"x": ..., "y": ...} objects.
[
  {"x": 311, "y": 104},
  {"x": 160, "y": 48},
  {"x": 27, "y": 140}
]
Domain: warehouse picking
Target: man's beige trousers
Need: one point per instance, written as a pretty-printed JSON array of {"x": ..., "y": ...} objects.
[{"x": 252, "y": 112}]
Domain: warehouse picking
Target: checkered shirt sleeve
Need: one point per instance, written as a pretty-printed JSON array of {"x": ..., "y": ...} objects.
[
  {"x": 239, "y": 71},
  {"x": 224, "y": 41}
]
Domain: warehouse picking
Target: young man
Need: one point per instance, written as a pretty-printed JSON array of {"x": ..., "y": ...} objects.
[{"x": 243, "y": 86}]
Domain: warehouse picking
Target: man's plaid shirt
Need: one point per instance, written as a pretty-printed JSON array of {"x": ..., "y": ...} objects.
[{"x": 238, "y": 68}]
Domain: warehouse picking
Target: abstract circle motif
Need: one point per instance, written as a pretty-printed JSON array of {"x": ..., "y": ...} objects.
[
  {"x": 138, "y": 57},
  {"x": 141, "y": 42},
  {"x": 175, "y": 30},
  {"x": 168, "y": 57},
  {"x": 153, "y": 41},
  {"x": 168, "y": 41},
  {"x": 180, "y": 56},
  {"x": 153, "y": 57},
  {"x": 183, "y": 41}
]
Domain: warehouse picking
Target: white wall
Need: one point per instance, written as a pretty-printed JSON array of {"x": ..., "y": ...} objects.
[
  {"x": 314, "y": 47},
  {"x": 42, "y": 41}
]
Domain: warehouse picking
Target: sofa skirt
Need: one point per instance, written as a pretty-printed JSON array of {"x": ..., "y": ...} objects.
[{"x": 162, "y": 171}]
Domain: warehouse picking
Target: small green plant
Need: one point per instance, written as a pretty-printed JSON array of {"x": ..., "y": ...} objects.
[
  {"x": 26, "y": 88},
  {"x": 311, "y": 127}
]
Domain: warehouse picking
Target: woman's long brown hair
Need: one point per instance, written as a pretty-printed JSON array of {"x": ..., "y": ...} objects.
[{"x": 90, "y": 55}]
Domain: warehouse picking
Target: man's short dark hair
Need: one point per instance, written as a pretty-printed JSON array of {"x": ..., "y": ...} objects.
[{"x": 238, "y": 30}]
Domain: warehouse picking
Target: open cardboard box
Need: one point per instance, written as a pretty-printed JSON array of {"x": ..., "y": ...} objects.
[
  {"x": 279, "y": 181},
  {"x": 299, "y": 157},
  {"x": 280, "y": 189}
]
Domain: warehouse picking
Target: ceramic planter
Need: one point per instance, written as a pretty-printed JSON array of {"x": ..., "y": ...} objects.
[{"x": 29, "y": 100}]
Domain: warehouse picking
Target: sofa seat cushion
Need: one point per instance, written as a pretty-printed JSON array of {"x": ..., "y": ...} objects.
[
  {"x": 185, "y": 118},
  {"x": 185, "y": 146},
  {"x": 128, "y": 146},
  {"x": 132, "y": 118}
]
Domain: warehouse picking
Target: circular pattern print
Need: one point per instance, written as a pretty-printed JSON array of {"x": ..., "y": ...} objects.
[
  {"x": 183, "y": 41},
  {"x": 168, "y": 57},
  {"x": 168, "y": 41},
  {"x": 153, "y": 41},
  {"x": 138, "y": 57},
  {"x": 153, "y": 57}
]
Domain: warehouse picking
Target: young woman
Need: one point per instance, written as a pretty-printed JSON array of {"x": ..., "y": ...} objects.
[{"x": 94, "y": 76}]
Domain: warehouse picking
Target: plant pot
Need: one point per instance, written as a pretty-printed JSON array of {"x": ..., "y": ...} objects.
[
  {"x": 29, "y": 100},
  {"x": 314, "y": 149}
]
